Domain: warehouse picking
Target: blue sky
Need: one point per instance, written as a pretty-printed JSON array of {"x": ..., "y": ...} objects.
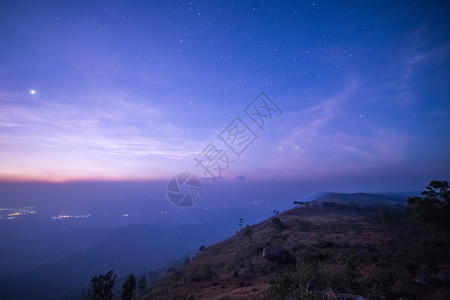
[{"x": 135, "y": 90}]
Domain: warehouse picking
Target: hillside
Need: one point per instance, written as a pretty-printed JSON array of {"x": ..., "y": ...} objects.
[{"x": 319, "y": 253}]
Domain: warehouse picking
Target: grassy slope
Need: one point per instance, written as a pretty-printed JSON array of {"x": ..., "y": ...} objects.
[{"x": 376, "y": 253}]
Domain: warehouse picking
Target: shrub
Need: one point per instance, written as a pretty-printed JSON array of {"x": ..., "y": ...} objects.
[{"x": 278, "y": 225}]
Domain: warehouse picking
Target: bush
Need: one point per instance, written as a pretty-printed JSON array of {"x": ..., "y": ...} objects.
[
  {"x": 278, "y": 225},
  {"x": 101, "y": 287},
  {"x": 128, "y": 287},
  {"x": 295, "y": 284},
  {"x": 205, "y": 274}
]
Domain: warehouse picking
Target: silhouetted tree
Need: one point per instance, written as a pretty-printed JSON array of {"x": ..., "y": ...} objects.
[
  {"x": 434, "y": 204},
  {"x": 202, "y": 248},
  {"x": 101, "y": 287},
  {"x": 142, "y": 284},
  {"x": 249, "y": 232},
  {"x": 298, "y": 203},
  {"x": 128, "y": 287}
]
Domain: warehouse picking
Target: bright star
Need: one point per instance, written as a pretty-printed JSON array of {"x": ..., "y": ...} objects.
[{"x": 32, "y": 92}]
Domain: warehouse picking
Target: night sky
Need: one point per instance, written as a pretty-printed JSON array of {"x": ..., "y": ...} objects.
[{"x": 137, "y": 90}]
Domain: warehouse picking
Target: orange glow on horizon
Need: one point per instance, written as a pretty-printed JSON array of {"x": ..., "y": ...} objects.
[{"x": 64, "y": 179}]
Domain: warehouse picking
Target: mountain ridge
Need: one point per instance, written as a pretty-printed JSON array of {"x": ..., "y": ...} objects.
[{"x": 321, "y": 252}]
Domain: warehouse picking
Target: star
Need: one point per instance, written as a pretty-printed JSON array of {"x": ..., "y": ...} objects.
[{"x": 32, "y": 92}]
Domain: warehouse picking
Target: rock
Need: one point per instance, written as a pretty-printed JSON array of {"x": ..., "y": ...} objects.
[{"x": 272, "y": 252}]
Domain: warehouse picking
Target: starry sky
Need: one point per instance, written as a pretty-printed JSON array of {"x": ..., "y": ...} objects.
[{"x": 137, "y": 90}]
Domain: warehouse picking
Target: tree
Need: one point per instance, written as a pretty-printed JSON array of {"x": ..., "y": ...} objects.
[
  {"x": 202, "y": 248},
  {"x": 298, "y": 203},
  {"x": 249, "y": 232},
  {"x": 142, "y": 284},
  {"x": 101, "y": 287},
  {"x": 128, "y": 287},
  {"x": 434, "y": 204},
  {"x": 277, "y": 224}
]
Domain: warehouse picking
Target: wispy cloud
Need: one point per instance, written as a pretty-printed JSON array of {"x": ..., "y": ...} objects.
[
  {"x": 417, "y": 62},
  {"x": 325, "y": 137},
  {"x": 120, "y": 132}
]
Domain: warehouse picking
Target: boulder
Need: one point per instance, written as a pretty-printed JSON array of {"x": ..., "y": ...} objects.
[{"x": 272, "y": 252}]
